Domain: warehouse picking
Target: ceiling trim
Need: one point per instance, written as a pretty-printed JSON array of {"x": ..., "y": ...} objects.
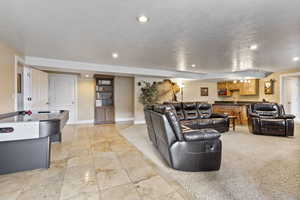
[
  {"x": 125, "y": 70},
  {"x": 73, "y": 65}
]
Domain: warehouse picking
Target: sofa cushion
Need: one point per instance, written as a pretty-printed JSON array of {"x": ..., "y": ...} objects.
[
  {"x": 272, "y": 122},
  {"x": 273, "y": 126},
  {"x": 190, "y": 110},
  {"x": 201, "y": 134},
  {"x": 266, "y": 109},
  {"x": 193, "y": 124},
  {"x": 204, "y": 110},
  {"x": 179, "y": 111}
]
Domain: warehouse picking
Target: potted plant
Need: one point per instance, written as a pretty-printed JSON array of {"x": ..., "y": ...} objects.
[{"x": 148, "y": 94}]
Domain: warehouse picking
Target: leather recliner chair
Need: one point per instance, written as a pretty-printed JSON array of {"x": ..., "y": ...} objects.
[
  {"x": 270, "y": 119},
  {"x": 199, "y": 115},
  {"x": 181, "y": 147}
]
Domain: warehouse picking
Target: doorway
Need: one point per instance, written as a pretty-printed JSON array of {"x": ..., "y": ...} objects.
[
  {"x": 62, "y": 94},
  {"x": 20, "y": 87},
  {"x": 19, "y": 84},
  {"x": 290, "y": 94}
]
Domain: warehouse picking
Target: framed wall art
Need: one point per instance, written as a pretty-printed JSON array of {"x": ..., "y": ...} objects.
[
  {"x": 204, "y": 91},
  {"x": 269, "y": 87}
]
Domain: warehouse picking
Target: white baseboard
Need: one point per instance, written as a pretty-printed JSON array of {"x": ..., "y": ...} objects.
[
  {"x": 139, "y": 122},
  {"x": 124, "y": 119},
  {"x": 84, "y": 122}
]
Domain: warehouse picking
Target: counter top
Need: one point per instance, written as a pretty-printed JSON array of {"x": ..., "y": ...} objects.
[
  {"x": 237, "y": 103},
  {"x": 35, "y": 117}
]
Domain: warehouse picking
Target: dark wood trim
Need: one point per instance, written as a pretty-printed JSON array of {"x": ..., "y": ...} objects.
[{"x": 100, "y": 76}]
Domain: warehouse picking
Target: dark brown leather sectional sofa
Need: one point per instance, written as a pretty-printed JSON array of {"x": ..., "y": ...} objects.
[
  {"x": 182, "y": 147},
  {"x": 199, "y": 115},
  {"x": 270, "y": 119}
]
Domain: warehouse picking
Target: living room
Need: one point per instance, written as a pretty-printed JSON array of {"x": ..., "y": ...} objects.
[{"x": 149, "y": 100}]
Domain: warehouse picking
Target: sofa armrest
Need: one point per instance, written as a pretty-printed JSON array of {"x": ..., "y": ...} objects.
[
  {"x": 287, "y": 116},
  {"x": 289, "y": 127},
  {"x": 200, "y": 134},
  {"x": 218, "y": 115},
  {"x": 251, "y": 114}
]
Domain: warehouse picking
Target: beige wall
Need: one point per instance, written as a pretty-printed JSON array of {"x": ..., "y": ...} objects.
[
  {"x": 124, "y": 98},
  {"x": 275, "y": 76},
  {"x": 86, "y": 96},
  {"x": 124, "y": 103},
  {"x": 127, "y": 94},
  {"x": 7, "y": 78},
  {"x": 191, "y": 91}
]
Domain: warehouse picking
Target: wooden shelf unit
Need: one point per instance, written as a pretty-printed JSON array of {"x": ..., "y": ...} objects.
[
  {"x": 247, "y": 88},
  {"x": 104, "y": 99}
]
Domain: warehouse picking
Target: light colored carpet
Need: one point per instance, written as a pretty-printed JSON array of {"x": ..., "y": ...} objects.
[{"x": 253, "y": 167}]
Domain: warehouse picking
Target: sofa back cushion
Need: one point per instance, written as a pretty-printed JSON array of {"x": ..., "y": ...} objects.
[
  {"x": 175, "y": 124},
  {"x": 148, "y": 107},
  {"x": 162, "y": 108},
  {"x": 178, "y": 108},
  {"x": 190, "y": 110},
  {"x": 266, "y": 109},
  {"x": 170, "y": 113},
  {"x": 204, "y": 110}
]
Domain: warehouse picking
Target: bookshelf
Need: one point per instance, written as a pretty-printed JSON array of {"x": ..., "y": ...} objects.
[{"x": 104, "y": 99}]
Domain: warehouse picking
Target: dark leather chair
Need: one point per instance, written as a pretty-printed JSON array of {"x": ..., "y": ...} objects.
[
  {"x": 181, "y": 147},
  {"x": 270, "y": 119},
  {"x": 199, "y": 115}
]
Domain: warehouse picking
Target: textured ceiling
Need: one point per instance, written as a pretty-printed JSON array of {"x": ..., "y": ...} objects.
[{"x": 213, "y": 34}]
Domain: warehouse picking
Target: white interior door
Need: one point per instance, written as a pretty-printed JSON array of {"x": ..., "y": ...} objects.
[
  {"x": 40, "y": 89},
  {"x": 44, "y": 91},
  {"x": 27, "y": 88},
  {"x": 292, "y": 96},
  {"x": 62, "y": 94}
]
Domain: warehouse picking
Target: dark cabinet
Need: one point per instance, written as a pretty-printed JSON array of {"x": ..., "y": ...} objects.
[{"x": 104, "y": 100}]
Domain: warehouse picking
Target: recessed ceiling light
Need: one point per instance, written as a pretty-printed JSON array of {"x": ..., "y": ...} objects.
[
  {"x": 193, "y": 65},
  {"x": 142, "y": 19},
  {"x": 296, "y": 59},
  {"x": 115, "y": 55},
  {"x": 253, "y": 47},
  {"x": 87, "y": 76}
]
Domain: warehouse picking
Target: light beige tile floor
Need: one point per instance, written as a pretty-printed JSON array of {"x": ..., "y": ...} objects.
[{"x": 92, "y": 163}]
